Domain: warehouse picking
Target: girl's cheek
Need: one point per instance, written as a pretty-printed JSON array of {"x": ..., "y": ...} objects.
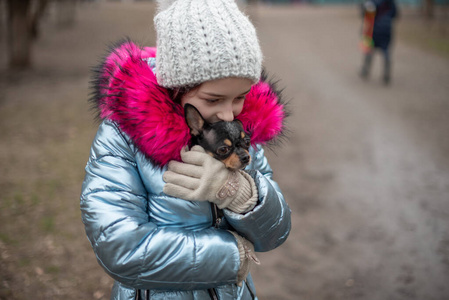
[
  {"x": 208, "y": 113},
  {"x": 238, "y": 110}
]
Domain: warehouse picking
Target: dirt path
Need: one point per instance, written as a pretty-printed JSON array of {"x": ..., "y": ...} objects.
[
  {"x": 366, "y": 170},
  {"x": 370, "y": 186}
]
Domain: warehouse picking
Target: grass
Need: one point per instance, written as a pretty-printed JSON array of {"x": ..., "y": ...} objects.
[
  {"x": 46, "y": 128},
  {"x": 429, "y": 35},
  {"x": 44, "y": 147}
]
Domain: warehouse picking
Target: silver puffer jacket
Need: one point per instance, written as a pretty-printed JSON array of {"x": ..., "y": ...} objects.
[{"x": 160, "y": 247}]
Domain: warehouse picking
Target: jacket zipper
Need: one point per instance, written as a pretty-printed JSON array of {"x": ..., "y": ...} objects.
[
  {"x": 216, "y": 218},
  {"x": 213, "y": 294},
  {"x": 139, "y": 295},
  {"x": 215, "y": 222}
]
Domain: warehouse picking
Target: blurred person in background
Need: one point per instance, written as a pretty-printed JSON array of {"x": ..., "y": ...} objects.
[
  {"x": 385, "y": 12},
  {"x": 164, "y": 221}
]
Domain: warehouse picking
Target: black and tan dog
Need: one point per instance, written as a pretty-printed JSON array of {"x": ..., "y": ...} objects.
[{"x": 223, "y": 140}]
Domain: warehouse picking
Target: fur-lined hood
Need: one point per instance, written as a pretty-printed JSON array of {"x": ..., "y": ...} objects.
[{"x": 126, "y": 91}]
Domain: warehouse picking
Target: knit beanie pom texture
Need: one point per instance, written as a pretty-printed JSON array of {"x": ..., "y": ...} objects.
[{"x": 202, "y": 40}]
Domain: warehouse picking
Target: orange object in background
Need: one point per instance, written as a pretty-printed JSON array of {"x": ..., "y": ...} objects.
[{"x": 367, "y": 44}]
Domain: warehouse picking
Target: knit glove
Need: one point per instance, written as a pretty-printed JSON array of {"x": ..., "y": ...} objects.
[
  {"x": 200, "y": 177},
  {"x": 247, "y": 257}
]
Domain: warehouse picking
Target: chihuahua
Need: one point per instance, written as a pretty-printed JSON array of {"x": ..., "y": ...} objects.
[{"x": 226, "y": 141}]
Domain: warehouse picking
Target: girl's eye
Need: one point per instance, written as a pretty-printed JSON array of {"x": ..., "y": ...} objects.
[
  {"x": 240, "y": 98},
  {"x": 212, "y": 100},
  {"x": 223, "y": 150}
]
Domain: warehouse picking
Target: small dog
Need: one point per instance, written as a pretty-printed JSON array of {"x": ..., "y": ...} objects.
[{"x": 226, "y": 141}]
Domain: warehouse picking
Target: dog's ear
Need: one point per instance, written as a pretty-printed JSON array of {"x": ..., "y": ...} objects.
[
  {"x": 194, "y": 119},
  {"x": 243, "y": 128},
  {"x": 241, "y": 125},
  {"x": 238, "y": 121}
]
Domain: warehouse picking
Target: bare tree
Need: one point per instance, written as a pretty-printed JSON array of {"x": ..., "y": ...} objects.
[
  {"x": 19, "y": 34},
  {"x": 37, "y": 14},
  {"x": 23, "y": 28},
  {"x": 428, "y": 6}
]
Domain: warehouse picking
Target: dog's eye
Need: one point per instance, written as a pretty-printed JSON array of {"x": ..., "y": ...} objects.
[
  {"x": 223, "y": 150},
  {"x": 246, "y": 143}
]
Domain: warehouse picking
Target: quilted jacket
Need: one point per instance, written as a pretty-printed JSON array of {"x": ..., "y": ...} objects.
[{"x": 153, "y": 245}]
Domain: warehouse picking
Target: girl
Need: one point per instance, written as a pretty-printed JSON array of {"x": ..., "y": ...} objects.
[{"x": 146, "y": 199}]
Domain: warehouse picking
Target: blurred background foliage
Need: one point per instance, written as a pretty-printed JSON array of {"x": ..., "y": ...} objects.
[{"x": 21, "y": 19}]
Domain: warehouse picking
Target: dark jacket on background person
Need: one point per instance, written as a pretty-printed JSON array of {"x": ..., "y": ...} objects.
[{"x": 386, "y": 12}]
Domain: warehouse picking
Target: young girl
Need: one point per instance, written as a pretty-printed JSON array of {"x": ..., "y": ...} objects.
[{"x": 151, "y": 206}]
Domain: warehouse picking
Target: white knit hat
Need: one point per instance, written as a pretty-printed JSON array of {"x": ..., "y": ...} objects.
[{"x": 202, "y": 40}]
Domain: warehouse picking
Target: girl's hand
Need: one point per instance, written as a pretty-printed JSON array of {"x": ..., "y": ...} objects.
[
  {"x": 200, "y": 177},
  {"x": 247, "y": 257}
]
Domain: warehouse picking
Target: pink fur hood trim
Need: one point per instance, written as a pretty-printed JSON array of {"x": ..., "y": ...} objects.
[{"x": 126, "y": 91}]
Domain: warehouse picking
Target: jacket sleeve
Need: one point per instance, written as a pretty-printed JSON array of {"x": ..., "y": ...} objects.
[
  {"x": 268, "y": 225},
  {"x": 394, "y": 10},
  {"x": 127, "y": 245}
]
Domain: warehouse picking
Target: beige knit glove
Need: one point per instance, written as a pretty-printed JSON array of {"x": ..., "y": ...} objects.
[
  {"x": 247, "y": 257},
  {"x": 200, "y": 177}
]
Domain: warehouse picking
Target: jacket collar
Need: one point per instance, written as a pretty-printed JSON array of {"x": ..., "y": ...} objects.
[{"x": 125, "y": 90}]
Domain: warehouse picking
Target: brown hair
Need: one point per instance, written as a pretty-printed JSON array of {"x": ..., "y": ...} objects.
[{"x": 176, "y": 94}]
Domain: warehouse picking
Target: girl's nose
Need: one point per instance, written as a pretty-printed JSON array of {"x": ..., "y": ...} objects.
[{"x": 226, "y": 115}]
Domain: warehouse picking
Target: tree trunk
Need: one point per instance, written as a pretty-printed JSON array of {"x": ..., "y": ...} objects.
[
  {"x": 37, "y": 16},
  {"x": 428, "y": 8},
  {"x": 19, "y": 36}
]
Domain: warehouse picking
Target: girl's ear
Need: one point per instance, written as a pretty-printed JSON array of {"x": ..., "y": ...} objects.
[{"x": 194, "y": 119}]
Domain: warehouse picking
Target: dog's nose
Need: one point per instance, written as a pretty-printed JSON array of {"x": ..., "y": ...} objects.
[{"x": 245, "y": 159}]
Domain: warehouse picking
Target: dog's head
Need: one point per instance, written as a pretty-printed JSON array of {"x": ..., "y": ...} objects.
[{"x": 225, "y": 141}]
